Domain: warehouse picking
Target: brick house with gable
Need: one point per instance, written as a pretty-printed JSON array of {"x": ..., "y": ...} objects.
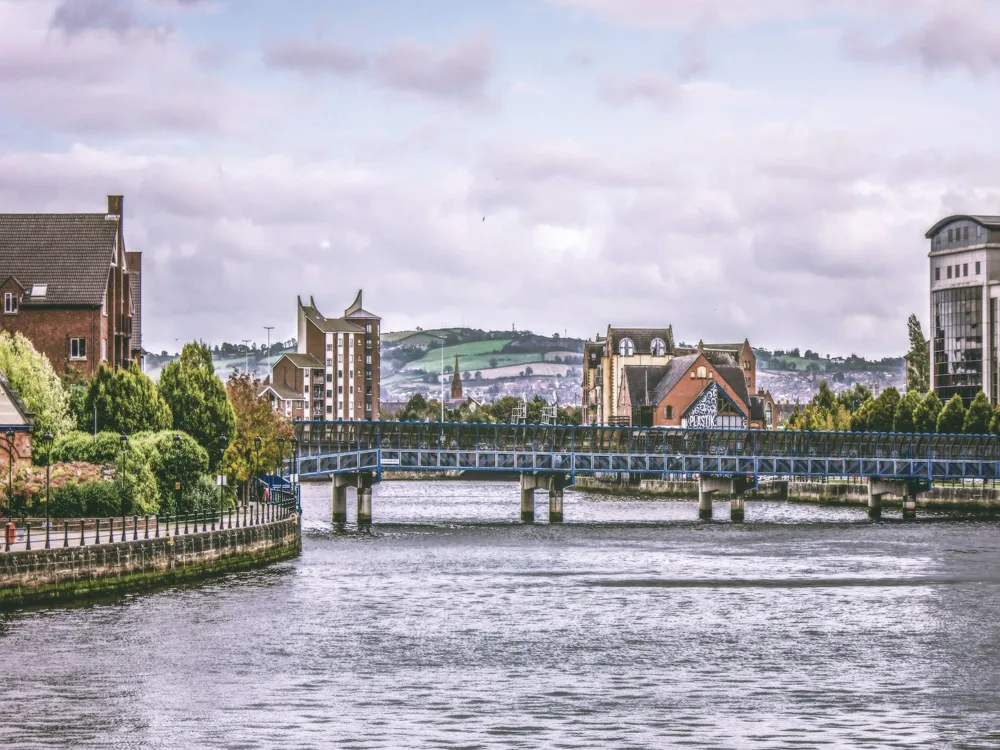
[
  {"x": 69, "y": 285},
  {"x": 707, "y": 389}
]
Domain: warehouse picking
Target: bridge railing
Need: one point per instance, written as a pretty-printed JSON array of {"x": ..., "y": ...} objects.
[{"x": 323, "y": 438}]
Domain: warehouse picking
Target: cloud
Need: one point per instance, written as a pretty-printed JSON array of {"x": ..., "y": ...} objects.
[
  {"x": 652, "y": 86},
  {"x": 75, "y": 16},
  {"x": 462, "y": 73},
  {"x": 965, "y": 35}
]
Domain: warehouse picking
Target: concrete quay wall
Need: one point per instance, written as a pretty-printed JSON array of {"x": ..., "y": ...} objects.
[{"x": 72, "y": 573}]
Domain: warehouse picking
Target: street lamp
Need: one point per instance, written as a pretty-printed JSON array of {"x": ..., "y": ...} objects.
[
  {"x": 222, "y": 454},
  {"x": 295, "y": 465},
  {"x": 256, "y": 461},
  {"x": 124, "y": 439},
  {"x": 281, "y": 454},
  {"x": 47, "y": 439},
  {"x": 10, "y": 474},
  {"x": 177, "y": 475}
]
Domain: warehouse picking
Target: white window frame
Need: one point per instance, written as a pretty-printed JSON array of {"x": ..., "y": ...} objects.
[
  {"x": 80, "y": 347},
  {"x": 626, "y": 347},
  {"x": 10, "y": 303},
  {"x": 104, "y": 350}
]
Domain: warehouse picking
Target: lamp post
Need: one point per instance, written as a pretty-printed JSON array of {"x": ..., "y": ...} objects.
[
  {"x": 294, "y": 478},
  {"x": 256, "y": 462},
  {"x": 222, "y": 454},
  {"x": 124, "y": 439},
  {"x": 10, "y": 474},
  {"x": 47, "y": 439},
  {"x": 177, "y": 474}
]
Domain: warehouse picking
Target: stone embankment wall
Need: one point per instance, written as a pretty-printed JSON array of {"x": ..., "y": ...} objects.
[
  {"x": 833, "y": 493},
  {"x": 67, "y": 573}
]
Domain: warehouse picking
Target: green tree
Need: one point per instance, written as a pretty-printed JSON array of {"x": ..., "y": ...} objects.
[
  {"x": 825, "y": 398},
  {"x": 925, "y": 416},
  {"x": 198, "y": 400},
  {"x": 884, "y": 411},
  {"x": 30, "y": 374},
  {"x": 862, "y": 418},
  {"x": 244, "y": 458},
  {"x": 917, "y": 364},
  {"x": 853, "y": 398},
  {"x": 951, "y": 420},
  {"x": 126, "y": 401},
  {"x": 977, "y": 418},
  {"x": 903, "y": 419},
  {"x": 995, "y": 422}
]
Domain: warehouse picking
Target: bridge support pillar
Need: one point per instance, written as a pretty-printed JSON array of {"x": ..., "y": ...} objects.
[
  {"x": 906, "y": 491},
  {"x": 557, "y": 483},
  {"x": 910, "y": 504},
  {"x": 364, "y": 500},
  {"x": 734, "y": 487},
  {"x": 736, "y": 508},
  {"x": 529, "y": 483},
  {"x": 340, "y": 484}
]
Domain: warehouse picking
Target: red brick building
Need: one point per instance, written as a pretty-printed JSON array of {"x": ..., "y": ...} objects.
[
  {"x": 710, "y": 388},
  {"x": 68, "y": 284},
  {"x": 335, "y": 373}
]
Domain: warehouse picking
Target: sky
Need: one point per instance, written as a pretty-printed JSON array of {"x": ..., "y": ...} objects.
[{"x": 761, "y": 169}]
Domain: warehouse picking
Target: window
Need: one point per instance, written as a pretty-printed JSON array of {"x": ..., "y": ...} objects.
[
  {"x": 329, "y": 393},
  {"x": 977, "y": 268},
  {"x": 329, "y": 362},
  {"x": 78, "y": 348},
  {"x": 352, "y": 389},
  {"x": 668, "y": 412},
  {"x": 9, "y": 303},
  {"x": 965, "y": 233},
  {"x": 951, "y": 235},
  {"x": 368, "y": 360},
  {"x": 340, "y": 357},
  {"x": 368, "y": 328},
  {"x": 746, "y": 365},
  {"x": 702, "y": 372},
  {"x": 949, "y": 272},
  {"x": 937, "y": 274},
  {"x": 979, "y": 232},
  {"x": 768, "y": 413},
  {"x": 39, "y": 290},
  {"x": 957, "y": 324},
  {"x": 329, "y": 377},
  {"x": 104, "y": 305},
  {"x": 329, "y": 410},
  {"x": 340, "y": 374},
  {"x": 626, "y": 348},
  {"x": 658, "y": 348},
  {"x": 104, "y": 350},
  {"x": 329, "y": 347},
  {"x": 340, "y": 389},
  {"x": 965, "y": 269}
]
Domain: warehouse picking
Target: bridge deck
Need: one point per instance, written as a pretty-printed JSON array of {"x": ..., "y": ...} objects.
[{"x": 326, "y": 448}]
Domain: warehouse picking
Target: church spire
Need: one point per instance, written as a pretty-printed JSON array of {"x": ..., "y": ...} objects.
[{"x": 456, "y": 382}]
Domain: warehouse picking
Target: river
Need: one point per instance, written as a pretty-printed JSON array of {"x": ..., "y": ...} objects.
[{"x": 452, "y": 626}]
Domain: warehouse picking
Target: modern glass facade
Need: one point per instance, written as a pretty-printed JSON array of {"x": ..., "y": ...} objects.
[{"x": 958, "y": 342}]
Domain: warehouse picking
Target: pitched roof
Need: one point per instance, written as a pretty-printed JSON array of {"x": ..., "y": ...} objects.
[
  {"x": 328, "y": 325},
  {"x": 282, "y": 391},
  {"x": 12, "y": 410},
  {"x": 735, "y": 377},
  {"x": 720, "y": 357},
  {"x": 356, "y": 310},
  {"x": 302, "y": 361},
  {"x": 641, "y": 382},
  {"x": 642, "y": 338},
  {"x": 732, "y": 348},
  {"x": 674, "y": 372},
  {"x": 70, "y": 253}
]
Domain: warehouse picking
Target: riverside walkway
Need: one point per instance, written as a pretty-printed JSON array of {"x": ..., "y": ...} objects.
[{"x": 550, "y": 457}]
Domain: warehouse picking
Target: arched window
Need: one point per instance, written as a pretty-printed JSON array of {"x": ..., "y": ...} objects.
[
  {"x": 702, "y": 372},
  {"x": 626, "y": 348},
  {"x": 658, "y": 348},
  {"x": 768, "y": 414}
]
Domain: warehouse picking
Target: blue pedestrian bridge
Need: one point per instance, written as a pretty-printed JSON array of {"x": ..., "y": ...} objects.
[
  {"x": 725, "y": 461},
  {"x": 329, "y": 448}
]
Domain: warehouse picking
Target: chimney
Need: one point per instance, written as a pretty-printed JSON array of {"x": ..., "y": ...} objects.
[{"x": 115, "y": 205}]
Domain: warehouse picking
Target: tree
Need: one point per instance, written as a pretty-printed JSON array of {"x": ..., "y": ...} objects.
[
  {"x": 925, "y": 416},
  {"x": 883, "y": 411},
  {"x": 198, "y": 400},
  {"x": 861, "y": 419},
  {"x": 126, "y": 400},
  {"x": 853, "y": 398},
  {"x": 903, "y": 419},
  {"x": 995, "y": 422},
  {"x": 528, "y": 372},
  {"x": 31, "y": 376},
  {"x": 415, "y": 409},
  {"x": 254, "y": 418},
  {"x": 977, "y": 418},
  {"x": 479, "y": 375},
  {"x": 493, "y": 363},
  {"x": 917, "y": 364},
  {"x": 951, "y": 420}
]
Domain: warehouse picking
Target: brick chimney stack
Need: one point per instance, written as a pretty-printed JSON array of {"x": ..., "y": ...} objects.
[{"x": 115, "y": 205}]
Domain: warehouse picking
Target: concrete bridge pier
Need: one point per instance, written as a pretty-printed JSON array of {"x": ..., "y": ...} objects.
[
  {"x": 340, "y": 484},
  {"x": 734, "y": 487},
  {"x": 364, "y": 500},
  {"x": 901, "y": 488},
  {"x": 529, "y": 483},
  {"x": 556, "y": 486}
]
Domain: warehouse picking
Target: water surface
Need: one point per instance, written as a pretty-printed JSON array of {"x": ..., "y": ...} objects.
[{"x": 453, "y": 626}]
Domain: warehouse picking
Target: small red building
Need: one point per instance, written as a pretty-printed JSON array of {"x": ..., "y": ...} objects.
[{"x": 68, "y": 284}]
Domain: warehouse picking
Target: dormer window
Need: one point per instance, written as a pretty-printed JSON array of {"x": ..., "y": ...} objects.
[
  {"x": 39, "y": 290},
  {"x": 626, "y": 348},
  {"x": 10, "y": 303},
  {"x": 658, "y": 348}
]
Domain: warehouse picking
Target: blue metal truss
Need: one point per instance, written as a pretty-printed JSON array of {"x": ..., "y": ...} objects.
[{"x": 327, "y": 448}]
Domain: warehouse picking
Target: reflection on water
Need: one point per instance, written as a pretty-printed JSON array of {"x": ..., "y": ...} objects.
[{"x": 451, "y": 625}]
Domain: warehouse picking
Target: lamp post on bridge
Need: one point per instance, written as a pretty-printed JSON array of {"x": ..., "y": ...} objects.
[
  {"x": 256, "y": 463},
  {"x": 47, "y": 439},
  {"x": 223, "y": 442},
  {"x": 124, "y": 441},
  {"x": 10, "y": 473}
]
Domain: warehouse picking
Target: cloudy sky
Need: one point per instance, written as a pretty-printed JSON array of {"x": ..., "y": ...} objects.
[{"x": 736, "y": 168}]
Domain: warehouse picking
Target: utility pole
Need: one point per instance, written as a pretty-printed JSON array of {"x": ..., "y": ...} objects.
[
  {"x": 269, "y": 329},
  {"x": 246, "y": 355},
  {"x": 442, "y": 381}
]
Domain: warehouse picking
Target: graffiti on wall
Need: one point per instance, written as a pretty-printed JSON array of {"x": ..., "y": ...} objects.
[{"x": 704, "y": 413}]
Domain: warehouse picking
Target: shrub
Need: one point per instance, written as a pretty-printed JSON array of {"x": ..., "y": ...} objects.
[{"x": 100, "y": 498}]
